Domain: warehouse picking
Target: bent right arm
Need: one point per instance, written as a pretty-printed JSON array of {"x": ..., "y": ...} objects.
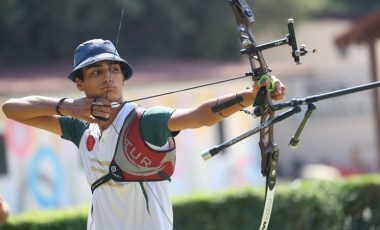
[
  {"x": 36, "y": 111},
  {"x": 40, "y": 111}
]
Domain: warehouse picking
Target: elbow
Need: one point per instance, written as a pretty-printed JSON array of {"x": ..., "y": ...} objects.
[
  {"x": 5, "y": 108},
  {"x": 208, "y": 124},
  {"x": 8, "y": 109},
  {"x": 206, "y": 121}
]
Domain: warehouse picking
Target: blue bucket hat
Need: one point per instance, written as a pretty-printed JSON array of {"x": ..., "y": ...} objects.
[{"x": 96, "y": 50}]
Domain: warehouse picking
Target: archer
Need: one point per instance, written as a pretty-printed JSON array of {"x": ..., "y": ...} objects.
[{"x": 116, "y": 138}]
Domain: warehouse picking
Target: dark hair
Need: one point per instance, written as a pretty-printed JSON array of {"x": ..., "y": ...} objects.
[{"x": 80, "y": 74}]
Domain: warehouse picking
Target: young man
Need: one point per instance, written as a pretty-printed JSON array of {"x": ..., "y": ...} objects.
[{"x": 130, "y": 178}]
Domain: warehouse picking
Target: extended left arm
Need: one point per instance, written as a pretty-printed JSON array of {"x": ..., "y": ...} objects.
[{"x": 204, "y": 116}]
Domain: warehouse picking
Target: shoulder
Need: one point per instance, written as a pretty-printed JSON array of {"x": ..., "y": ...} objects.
[
  {"x": 72, "y": 128},
  {"x": 70, "y": 121},
  {"x": 157, "y": 115},
  {"x": 154, "y": 125},
  {"x": 158, "y": 111}
]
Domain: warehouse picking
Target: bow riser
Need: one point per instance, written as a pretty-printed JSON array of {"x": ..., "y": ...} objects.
[
  {"x": 269, "y": 150},
  {"x": 245, "y": 19}
]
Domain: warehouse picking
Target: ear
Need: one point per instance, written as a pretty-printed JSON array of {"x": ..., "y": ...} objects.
[{"x": 79, "y": 84}]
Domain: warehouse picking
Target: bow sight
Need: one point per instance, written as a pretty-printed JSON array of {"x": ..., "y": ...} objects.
[
  {"x": 245, "y": 18},
  {"x": 290, "y": 39}
]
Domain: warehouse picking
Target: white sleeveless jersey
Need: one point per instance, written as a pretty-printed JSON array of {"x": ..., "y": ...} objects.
[{"x": 121, "y": 205}]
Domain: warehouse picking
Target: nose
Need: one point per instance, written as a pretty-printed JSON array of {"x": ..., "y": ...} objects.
[{"x": 108, "y": 76}]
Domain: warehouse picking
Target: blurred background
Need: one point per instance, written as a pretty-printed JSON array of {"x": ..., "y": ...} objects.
[{"x": 173, "y": 45}]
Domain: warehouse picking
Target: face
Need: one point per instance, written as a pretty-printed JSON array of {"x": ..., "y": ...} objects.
[{"x": 102, "y": 80}]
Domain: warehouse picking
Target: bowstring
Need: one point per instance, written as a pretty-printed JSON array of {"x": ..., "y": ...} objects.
[
  {"x": 113, "y": 60},
  {"x": 116, "y": 42},
  {"x": 189, "y": 88},
  {"x": 167, "y": 93}
]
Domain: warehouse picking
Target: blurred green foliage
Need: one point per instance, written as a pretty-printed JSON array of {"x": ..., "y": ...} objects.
[
  {"x": 351, "y": 203},
  {"x": 37, "y": 31}
]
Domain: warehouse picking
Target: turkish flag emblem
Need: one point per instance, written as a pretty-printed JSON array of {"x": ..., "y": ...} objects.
[{"x": 90, "y": 143}]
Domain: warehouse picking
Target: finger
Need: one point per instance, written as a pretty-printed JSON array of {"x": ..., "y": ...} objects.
[
  {"x": 277, "y": 97},
  {"x": 99, "y": 111},
  {"x": 101, "y": 101},
  {"x": 279, "y": 88},
  {"x": 279, "y": 92}
]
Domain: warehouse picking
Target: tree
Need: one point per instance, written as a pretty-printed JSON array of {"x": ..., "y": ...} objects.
[{"x": 39, "y": 31}]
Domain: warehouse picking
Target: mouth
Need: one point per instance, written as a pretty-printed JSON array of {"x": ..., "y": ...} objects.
[
  {"x": 108, "y": 88},
  {"x": 108, "y": 85}
]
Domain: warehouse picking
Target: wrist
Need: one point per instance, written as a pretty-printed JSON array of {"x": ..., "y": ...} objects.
[
  {"x": 58, "y": 106},
  {"x": 248, "y": 96}
]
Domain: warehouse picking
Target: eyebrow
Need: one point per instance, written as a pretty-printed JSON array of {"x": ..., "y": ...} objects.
[{"x": 97, "y": 64}]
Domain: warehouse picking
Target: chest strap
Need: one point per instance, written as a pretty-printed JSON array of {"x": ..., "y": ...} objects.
[
  {"x": 100, "y": 181},
  {"x": 108, "y": 177}
]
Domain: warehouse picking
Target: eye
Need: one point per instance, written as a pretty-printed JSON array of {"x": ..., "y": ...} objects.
[
  {"x": 95, "y": 73},
  {"x": 116, "y": 69}
]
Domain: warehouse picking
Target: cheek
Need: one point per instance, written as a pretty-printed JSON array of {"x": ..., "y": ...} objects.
[
  {"x": 92, "y": 89},
  {"x": 119, "y": 80}
]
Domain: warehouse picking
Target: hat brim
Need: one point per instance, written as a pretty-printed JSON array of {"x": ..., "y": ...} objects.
[{"x": 103, "y": 57}]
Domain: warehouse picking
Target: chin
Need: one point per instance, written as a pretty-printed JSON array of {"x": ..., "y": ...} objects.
[{"x": 112, "y": 97}]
